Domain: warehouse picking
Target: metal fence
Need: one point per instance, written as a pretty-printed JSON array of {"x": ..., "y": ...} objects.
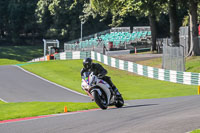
[
  {"x": 77, "y": 47},
  {"x": 173, "y": 56},
  {"x": 120, "y": 29},
  {"x": 184, "y": 38},
  {"x": 141, "y": 28}
]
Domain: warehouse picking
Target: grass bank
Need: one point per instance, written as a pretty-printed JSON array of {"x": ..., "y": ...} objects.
[
  {"x": 16, "y": 54},
  {"x": 157, "y": 62},
  {"x": 67, "y": 73},
  {"x": 1, "y": 102},
  {"x": 192, "y": 64},
  {"x": 29, "y": 109},
  {"x": 9, "y": 62}
]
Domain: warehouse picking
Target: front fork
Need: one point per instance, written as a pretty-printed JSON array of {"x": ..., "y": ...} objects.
[
  {"x": 112, "y": 97},
  {"x": 90, "y": 95}
]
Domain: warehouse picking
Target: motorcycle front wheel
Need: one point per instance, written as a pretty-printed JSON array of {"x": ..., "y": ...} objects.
[{"x": 101, "y": 101}]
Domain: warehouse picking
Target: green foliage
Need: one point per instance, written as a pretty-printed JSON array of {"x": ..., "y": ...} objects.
[
  {"x": 3, "y": 14},
  {"x": 198, "y": 12},
  {"x": 185, "y": 21},
  {"x": 120, "y": 9},
  {"x": 43, "y": 15},
  {"x": 19, "y": 53},
  {"x": 20, "y": 18},
  {"x": 60, "y": 18}
]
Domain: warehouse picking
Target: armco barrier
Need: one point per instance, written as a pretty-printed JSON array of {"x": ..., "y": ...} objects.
[
  {"x": 151, "y": 72},
  {"x": 66, "y": 55},
  {"x": 73, "y": 55},
  {"x": 39, "y": 59},
  {"x": 188, "y": 78}
]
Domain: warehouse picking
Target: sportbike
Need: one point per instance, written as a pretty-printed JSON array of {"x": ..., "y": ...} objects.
[{"x": 100, "y": 91}]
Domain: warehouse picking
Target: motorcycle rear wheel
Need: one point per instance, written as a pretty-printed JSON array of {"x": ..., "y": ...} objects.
[
  {"x": 102, "y": 103},
  {"x": 119, "y": 103}
]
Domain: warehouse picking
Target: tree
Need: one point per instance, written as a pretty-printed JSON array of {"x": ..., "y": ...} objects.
[
  {"x": 191, "y": 20},
  {"x": 30, "y": 24},
  {"x": 194, "y": 46},
  {"x": 59, "y": 18},
  {"x": 174, "y": 28},
  {"x": 152, "y": 10},
  {"x": 121, "y": 8},
  {"x": 44, "y": 19},
  {"x": 3, "y": 20},
  {"x": 17, "y": 19}
]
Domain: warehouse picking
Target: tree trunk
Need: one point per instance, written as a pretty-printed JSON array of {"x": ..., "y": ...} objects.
[
  {"x": 1, "y": 33},
  {"x": 174, "y": 29},
  {"x": 194, "y": 28},
  {"x": 152, "y": 21}
]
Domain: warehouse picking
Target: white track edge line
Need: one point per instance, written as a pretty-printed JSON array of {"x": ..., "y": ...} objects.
[
  {"x": 50, "y": 81},
  {"x": 3, "y": 100}
]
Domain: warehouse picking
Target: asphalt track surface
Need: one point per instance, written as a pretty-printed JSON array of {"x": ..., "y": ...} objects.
[
  {"x": 16, "y": 85},
  {"x": 166, "y": 115}
]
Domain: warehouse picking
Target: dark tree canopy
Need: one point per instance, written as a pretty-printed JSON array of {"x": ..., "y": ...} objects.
[{"x": 28, "y": 21}]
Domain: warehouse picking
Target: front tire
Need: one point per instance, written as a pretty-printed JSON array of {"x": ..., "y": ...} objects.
[{"x": 101, "y": 101}]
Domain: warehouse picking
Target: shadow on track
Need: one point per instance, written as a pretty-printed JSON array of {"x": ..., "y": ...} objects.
[
  {"x": 135, "y": 106},
  {"x": 138, "y": 105}
]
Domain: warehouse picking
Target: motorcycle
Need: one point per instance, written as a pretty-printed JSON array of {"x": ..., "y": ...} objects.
[{"x": 100, "y": 91}]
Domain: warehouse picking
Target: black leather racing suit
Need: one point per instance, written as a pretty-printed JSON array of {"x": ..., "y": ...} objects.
[{"x": 100, "y": 72}]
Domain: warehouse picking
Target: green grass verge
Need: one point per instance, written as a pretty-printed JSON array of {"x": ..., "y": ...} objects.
[
  {"x": 193, "y": 64},
  {"x": 20, "y": 53},
  {"x": 9, "y": 62},
  {"x": 67, "y": 73},
  {"x": 157, "y": 62},
  {"x": 29, "y": 109},
  {"x": 1, "y": 102},
  {"x": 196, "y": 131}
]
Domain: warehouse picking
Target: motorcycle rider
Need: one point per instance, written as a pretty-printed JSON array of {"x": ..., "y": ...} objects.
[{"x": 100, "y": 72}]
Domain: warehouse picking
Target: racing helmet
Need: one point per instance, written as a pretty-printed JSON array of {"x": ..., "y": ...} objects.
[{"x": 87, "y": 63}]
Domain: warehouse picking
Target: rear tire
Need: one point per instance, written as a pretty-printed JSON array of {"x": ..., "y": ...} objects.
[
  {"x": 119, "y": 103},
  {"x": 101, "y": 102}
]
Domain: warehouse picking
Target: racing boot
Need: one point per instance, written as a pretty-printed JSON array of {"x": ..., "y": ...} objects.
[{"x": 118, "y": 95}]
